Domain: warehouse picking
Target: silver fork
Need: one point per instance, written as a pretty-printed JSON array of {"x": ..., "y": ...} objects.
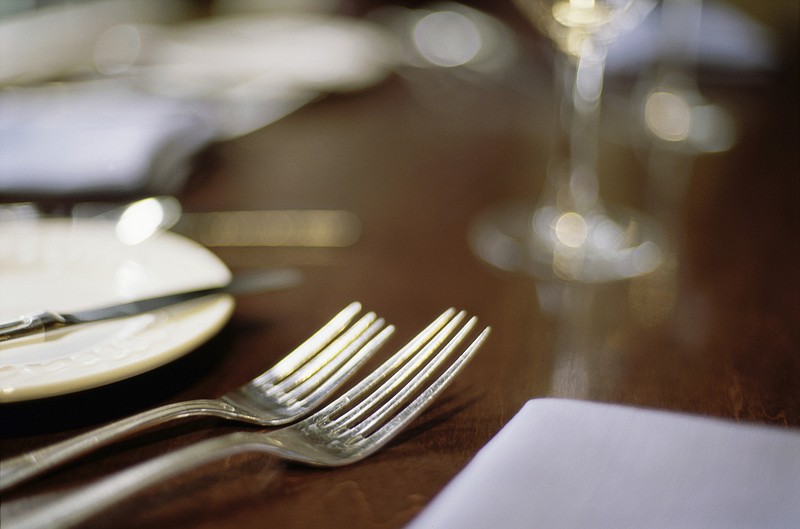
[
  {"x": 347, "y": 430},
  {"x": 290, "y": 390}
]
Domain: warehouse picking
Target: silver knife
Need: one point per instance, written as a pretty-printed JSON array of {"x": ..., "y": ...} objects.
[{"x": 40, "y": 322}]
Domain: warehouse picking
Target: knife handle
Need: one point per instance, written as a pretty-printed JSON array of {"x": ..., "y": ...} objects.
[{"x": 29, "y": 324}]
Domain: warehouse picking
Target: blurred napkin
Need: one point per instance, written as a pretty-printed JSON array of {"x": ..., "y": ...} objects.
[
  {"x": 163, "y": 92},
  {"x": 98, "y": 136},
  {"x": 570, "y": 464},
  {"x": 711, "y": 33}
]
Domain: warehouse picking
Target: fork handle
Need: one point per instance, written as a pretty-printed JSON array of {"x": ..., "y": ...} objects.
[
  {"x": 76, "y": 507},
  {"x": 28, "y": 465}
]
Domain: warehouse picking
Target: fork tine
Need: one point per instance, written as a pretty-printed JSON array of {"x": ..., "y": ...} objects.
[
  {"x": 336, "y": 371},
  {"x": 341, "y": 344},
  {"x": 393, "y": 401},
  {"x": 335, "y": 380},
  {"x": 383, "y": 370},
  {"x": 373, "y": 398},
  {"x": 311, "y": 346},
  {"x": 384, "y": 434}
]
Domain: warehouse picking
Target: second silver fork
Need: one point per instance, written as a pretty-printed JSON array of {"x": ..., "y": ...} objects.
[{"x": 290, "y": 390}]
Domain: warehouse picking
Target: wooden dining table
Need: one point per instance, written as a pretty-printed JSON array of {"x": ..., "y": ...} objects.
[{"x": 416, "y": 159}]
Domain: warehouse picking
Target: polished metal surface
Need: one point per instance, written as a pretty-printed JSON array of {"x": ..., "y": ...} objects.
[
  {"x": 291, "y": 389},
  {"x": 348, "y": 430}
]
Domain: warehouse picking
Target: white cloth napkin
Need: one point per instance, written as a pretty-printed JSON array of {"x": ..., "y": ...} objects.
[
  {"x": 571, "y": 464},
  {"x": 100, "y": 136}
]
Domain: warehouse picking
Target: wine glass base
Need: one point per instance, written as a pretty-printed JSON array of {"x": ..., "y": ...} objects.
[{"x": 542, "y": 242}]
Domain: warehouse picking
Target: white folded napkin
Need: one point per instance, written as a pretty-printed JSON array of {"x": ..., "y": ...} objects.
[
  {"x": 98, "y": 136},
  {"x": 571, "y": 464}
]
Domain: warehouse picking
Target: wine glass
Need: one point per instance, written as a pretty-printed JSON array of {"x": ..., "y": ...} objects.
[{"x": 570, "y": 233}]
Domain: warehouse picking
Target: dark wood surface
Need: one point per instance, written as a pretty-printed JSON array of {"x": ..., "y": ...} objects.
[{"x": 715, "y": 332}]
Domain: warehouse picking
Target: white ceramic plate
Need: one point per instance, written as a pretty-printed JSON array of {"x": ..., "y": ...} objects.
[{"x": 66, "y": 265}]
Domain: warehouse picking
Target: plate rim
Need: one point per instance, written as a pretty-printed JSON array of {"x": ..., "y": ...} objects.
[{"x": 114, "y": 365}]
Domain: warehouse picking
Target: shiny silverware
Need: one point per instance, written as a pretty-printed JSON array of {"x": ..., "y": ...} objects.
[
  {"x": 30, "y": 324},
  {"x": 290, "y": 390},
  {"x": 349, "y": 429}
]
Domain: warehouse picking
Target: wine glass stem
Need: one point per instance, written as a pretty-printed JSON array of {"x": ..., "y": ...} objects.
[{"x": 579, "y": 84}]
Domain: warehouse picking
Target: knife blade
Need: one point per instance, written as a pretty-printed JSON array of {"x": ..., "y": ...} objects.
[{"x": 40, "y": 322}]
